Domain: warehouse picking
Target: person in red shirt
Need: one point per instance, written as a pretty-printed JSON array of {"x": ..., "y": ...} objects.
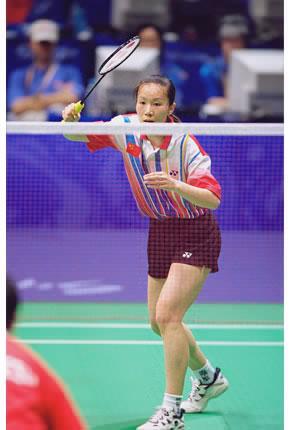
[{"x": 36, "y": 398}]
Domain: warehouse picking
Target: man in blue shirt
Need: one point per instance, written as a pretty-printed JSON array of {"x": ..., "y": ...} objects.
[
  {"x": 233, "y": 34},
  {"x": 45, "y": 86}
]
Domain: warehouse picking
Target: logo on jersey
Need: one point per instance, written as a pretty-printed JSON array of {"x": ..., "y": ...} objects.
[
  {"x": 187, "y": 254},
  {"x": 173, "y": 173},
  {"x": 20, "y": 373},
  {"x": 133, "y": 149}
]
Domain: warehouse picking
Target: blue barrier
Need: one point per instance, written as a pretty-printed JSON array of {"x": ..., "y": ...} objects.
[{"x": 52, "y": 182}]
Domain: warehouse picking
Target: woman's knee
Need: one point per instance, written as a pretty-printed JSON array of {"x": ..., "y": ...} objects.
[{"x": 166, "y": 317}]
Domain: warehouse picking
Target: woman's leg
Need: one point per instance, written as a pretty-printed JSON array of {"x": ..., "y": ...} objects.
[
  {"x": 196, "y": 357},
  {"x": 153, "y": 292},
  {"x": 179, "y": 291}
]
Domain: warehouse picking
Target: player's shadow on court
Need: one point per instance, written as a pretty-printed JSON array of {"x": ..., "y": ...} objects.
[
  {"x": 126, "y": 425},
  {"x": 205, "y": 420},
  {"x": 190, "y": 420}
]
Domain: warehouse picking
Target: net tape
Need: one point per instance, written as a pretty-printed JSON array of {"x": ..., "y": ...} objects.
[{"x": 85, "y": 128}]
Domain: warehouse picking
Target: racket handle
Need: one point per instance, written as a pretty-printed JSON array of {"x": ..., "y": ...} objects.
[{"x": 79, "y": 106}]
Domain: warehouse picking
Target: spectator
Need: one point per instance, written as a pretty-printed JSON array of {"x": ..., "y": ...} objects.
[
  {"x": 233, "y": 34},
  {"x": 36, "y": 399},
  {"x": 45, "y": 86},
  {"x": 150, "y": 36}
]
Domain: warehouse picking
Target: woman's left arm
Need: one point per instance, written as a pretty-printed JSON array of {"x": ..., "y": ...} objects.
[{"x": 197, "y": 196}]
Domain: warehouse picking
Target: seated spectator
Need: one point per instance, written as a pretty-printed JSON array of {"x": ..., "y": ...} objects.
[
  {"x": 150, "y": 36},
  {"x": 233, "y": 34},
  {"x": 35, "y": 398},
  {"x": 45, "y": 86}
]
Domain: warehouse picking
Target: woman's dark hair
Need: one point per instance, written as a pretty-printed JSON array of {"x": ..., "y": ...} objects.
[
  {"x": 164, "y": 82},
  {"x": 160, "y": 80},
  {"x": 12, "y": 301}
]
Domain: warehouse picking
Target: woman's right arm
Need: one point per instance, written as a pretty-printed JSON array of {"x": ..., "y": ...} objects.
[{"x": 69, "y": 114}]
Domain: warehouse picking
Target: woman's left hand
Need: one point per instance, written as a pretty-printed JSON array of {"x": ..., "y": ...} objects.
[{"x": 160, "y": 180}]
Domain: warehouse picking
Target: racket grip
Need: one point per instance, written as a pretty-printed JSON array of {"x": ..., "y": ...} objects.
[{"x": 79, "y": 106}]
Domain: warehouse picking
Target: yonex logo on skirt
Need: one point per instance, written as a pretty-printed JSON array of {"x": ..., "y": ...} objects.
[{"x": 187, "y": 254}]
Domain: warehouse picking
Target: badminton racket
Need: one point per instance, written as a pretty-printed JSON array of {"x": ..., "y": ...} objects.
[{"x": 119, "y": 56}]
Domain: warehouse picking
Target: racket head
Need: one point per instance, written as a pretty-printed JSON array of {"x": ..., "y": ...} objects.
[{"x": 119, "y": 55}]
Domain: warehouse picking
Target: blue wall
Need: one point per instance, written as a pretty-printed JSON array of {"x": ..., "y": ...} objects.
[{"x": 52, "y": 182}]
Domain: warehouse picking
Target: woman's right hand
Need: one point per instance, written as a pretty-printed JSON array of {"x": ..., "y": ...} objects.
[{"x": 69, "y": 113}]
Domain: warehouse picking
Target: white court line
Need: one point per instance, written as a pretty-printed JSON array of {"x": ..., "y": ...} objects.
[
  {"x": 141, "y": 342},
  {"x": 147, "y": 326}
]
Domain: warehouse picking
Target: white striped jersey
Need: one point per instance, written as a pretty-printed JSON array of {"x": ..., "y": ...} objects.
[{"x": 181, "y": 156}]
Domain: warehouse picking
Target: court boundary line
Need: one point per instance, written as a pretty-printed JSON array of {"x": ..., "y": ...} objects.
[
  {"x": 147, "y": 326},
  {"x": 146, "y": 342}
]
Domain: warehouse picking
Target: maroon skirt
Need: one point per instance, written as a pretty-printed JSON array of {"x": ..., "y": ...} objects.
[{"x": 196, "y": 242}]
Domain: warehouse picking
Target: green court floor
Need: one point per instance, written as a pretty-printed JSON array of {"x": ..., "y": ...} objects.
[{"x": 113, "y": 364}]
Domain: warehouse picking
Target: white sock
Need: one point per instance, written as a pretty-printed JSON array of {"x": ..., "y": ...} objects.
[
  {"x": 206, "y": 373},
  {"x": 172, "y": 401}
]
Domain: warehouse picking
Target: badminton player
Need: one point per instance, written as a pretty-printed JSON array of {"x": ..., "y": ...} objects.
[
  {"x": 36, "y": 397},
  {"x": 172, "y": 184}
]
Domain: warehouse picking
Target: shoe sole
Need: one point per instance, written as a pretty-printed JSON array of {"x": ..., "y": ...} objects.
[{"x": 218, "y": 393}]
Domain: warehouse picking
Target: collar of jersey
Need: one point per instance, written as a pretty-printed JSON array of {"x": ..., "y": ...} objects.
[{"x": 166, "y": 140}]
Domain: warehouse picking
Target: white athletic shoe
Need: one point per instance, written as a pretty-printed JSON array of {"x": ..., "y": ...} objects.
[
  {"x": 201, "y": 393},
  {"x": 164, "y": 419}
]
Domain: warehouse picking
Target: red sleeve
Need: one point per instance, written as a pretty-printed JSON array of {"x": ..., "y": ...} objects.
[
  {"x": 37, "y": 397},
  {"x": 100, "y": 142},
  {"x": 204, "y": 179},
  {"x": 96, "y": 142},
  {"x": 59, "y": 408}
]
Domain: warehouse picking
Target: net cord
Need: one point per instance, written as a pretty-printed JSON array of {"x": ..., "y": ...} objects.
[{"x": 99, "y": 128}]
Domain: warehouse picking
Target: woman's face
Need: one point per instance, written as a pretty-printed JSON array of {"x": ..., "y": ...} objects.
[{"x": 152, "y": 103}]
